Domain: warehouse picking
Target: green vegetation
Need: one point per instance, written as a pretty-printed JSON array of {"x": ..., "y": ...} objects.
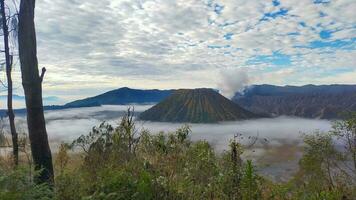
[{"x": 121, "y": 163}]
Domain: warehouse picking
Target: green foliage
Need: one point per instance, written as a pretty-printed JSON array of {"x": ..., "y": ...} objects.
[
  {"x": 319, "y": 159},
  {"x": 325, "y": 171},
  {"x": 250, "y": 183},
  {"x": 121, "y": 163},
  {"x": 68, "y": 186},
  {"x": 345, "y": 131},
  {"x": 17, "y": 185}
]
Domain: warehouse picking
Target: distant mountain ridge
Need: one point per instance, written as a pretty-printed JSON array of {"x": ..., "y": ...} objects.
[
  {"x": 16, "y": 97},
  {"x": 196, "y": 106},
  {"x": 123, "y": 96},
  {"x": 310, "y": 101}
]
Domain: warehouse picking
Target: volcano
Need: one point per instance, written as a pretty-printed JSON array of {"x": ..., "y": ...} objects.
[{"x": 196, "y": 106}]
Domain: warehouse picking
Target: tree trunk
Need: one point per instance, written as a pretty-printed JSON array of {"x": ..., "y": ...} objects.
[
  {"x": 8, "y": 60},
  {"x": 32, "y": 84}
]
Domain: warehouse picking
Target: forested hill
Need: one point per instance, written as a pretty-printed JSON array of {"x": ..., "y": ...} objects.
[
  {"x": 311, "y": 101},
  {"x": 123, "y": 96}
]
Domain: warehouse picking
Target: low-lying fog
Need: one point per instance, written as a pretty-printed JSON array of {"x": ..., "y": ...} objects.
[{"x": 278, "y": 154}]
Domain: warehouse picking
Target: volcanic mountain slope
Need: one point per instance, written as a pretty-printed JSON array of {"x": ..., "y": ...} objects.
[
  {"x": 196, "y": 106},
  {"x": 310, "y": 101},
  {"x": 123, "y": 96}
]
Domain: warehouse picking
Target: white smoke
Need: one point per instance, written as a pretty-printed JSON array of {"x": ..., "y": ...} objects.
[{"x": 232, "y": 81}]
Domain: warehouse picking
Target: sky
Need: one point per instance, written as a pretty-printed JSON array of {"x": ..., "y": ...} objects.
[{"x": 89, "y": 47}]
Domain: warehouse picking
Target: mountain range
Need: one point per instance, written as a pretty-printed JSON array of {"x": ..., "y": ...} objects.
[
  {"x": 15, "y": 97},
  {"x": 310, "y": 101},
  {"x": 123, "y": 96},
  {"x": 196, "y": 106}
]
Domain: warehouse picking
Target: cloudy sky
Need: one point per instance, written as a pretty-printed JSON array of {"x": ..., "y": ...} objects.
[{"x": 92, "y": 46}]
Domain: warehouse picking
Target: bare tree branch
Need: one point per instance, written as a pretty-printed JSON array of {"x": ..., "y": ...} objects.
[
  {"x": 42, "y": 73},
  {"x": 3, "y": 84}
]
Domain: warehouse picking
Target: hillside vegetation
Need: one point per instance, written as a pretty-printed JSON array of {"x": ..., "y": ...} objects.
[{"x": 114, "y": 163}]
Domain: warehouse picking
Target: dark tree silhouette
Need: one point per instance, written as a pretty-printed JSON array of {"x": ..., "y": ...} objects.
[
  {"x": 32, "y": 84},
  {"x": 8, "y": 64}
]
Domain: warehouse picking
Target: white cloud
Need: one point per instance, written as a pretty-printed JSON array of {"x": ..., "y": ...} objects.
[{"x": 91, "y": 46}]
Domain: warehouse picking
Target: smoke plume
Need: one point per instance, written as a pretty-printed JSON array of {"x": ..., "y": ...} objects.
[{"x": 232, "y": 81}]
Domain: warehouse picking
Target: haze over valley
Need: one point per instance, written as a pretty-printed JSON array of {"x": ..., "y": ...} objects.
[
  {"x": 283, "y": 133},
  {"x": 178, "y": 99}
]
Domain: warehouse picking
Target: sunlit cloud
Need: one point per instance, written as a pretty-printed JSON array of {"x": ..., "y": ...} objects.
[{"x": 89, "y": 46}]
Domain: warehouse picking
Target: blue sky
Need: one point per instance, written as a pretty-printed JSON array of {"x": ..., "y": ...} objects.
[{"x": 92, "y": 46}]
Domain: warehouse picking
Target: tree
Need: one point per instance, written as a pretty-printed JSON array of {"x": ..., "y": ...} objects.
[
  {"x": 345, "y": 130},
  {"x": 250, "y": 183},
  {"x": 8, "y": 63},
  {"x": 32, "y": 84}
]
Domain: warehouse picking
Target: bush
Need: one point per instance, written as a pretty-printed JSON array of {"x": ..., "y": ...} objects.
[
  {"x": 18, "y": 185},
  {"x": 121, "y": 163}
]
